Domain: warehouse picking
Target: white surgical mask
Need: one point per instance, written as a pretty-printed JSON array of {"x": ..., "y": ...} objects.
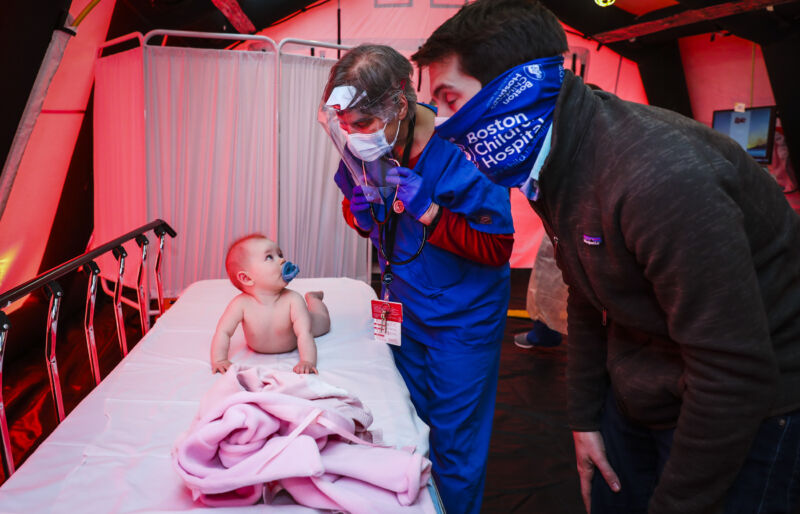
[{"x": 369, "y": 147}]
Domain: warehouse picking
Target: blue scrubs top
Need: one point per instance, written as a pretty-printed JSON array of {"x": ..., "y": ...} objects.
[{"x": 449, "y": 301}]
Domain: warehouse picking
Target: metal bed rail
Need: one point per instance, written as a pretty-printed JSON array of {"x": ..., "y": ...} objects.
[{"x": 49, "y": 281}]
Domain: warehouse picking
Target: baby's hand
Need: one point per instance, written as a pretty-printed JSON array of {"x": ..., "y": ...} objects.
[
  {"x": 220, "y": 366},
  {"x": 304, "y": 367}
]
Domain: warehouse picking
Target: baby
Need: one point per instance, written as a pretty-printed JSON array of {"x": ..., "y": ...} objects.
[{"x": 274, "y": 319}]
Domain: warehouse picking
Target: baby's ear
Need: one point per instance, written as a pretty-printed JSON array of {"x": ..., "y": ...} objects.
[{"x": 244, "y": 278}]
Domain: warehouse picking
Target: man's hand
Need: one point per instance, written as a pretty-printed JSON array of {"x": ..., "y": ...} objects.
[
  {"x": 220, "y": 366},
  {"x": 590, "y": 452},
  {"x": 304, "y": 367}
]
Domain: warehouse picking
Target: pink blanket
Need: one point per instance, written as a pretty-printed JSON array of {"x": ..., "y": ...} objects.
[{"x": 259, "y": 431}]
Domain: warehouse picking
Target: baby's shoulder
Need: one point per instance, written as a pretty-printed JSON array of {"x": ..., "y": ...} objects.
[
  {"x": 243, "y": 302},
  {"x": 293, "y": 300},
  {"x": 241, "y": 299},
  {"x": 291, "y": 296},
  {"x": 235, "y": 310}
]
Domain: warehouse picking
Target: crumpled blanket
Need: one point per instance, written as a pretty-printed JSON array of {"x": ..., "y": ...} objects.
[{"x": 258, "y": 431}]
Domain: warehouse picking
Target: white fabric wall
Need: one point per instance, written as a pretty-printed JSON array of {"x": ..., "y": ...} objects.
[{"x": 312, "y": 231}]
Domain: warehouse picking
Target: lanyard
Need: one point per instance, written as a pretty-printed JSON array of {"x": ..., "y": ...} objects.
[{"x": 387, "y": 229}]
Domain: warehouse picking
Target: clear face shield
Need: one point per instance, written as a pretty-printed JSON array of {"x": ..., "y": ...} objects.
[{"x": 367, "y": 155}]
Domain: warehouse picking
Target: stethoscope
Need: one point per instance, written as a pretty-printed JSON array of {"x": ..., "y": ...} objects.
[{"x": 387, "y": 229}]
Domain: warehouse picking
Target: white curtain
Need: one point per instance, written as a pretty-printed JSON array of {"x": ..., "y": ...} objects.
[
  {"x": 210, "y": 153},
  {"x": 188, "y": 135},
  {"x": 120, "y": 187},
  {"x": 312, "y": 231}
]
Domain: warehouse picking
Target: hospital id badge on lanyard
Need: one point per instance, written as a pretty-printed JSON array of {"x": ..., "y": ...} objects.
[{"x": 387, "y": 318}]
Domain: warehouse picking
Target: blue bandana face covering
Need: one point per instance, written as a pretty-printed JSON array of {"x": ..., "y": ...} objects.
[
  {"x": 501, "y": 128},
  {"x": 289, "y": 271}
]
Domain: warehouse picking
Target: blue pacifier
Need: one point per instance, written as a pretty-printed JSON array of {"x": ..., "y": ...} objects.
[{"x": 289, "y": 271}]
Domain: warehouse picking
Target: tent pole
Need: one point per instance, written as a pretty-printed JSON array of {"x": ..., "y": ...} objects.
[{"x": 50, "y": 63}]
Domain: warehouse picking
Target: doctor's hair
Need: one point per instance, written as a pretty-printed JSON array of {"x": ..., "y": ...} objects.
[
  {"x": 492, "y": 36},
  {"x": 380, "y": 71},
  {"x": 237, "y": 256}
]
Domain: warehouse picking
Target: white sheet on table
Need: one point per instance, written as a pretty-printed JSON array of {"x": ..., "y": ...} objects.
[{"x": 112, "y": 453}]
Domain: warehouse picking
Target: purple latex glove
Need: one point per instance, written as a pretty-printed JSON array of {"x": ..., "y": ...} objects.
[
  {"x": 409, "y": 186},
  {"x": 359, "y": 206}
]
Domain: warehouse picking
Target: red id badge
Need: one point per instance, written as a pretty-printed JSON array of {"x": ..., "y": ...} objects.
[{"x": 387, "y": 318}]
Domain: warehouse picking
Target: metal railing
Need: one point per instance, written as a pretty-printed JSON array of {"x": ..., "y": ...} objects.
[{"x": 49, "y": 281}]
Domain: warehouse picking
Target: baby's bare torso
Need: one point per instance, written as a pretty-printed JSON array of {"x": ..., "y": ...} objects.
[{"x": 268, "y": 328}]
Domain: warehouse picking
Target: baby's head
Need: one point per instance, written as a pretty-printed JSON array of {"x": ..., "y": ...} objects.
[{"x": 254, "y": 263}]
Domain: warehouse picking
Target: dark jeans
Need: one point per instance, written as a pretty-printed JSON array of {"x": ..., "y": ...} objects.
[{"x": 769, "y": 480}]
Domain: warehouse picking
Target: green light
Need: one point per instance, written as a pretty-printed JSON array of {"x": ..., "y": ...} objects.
[{"x": 604, "y": 3}]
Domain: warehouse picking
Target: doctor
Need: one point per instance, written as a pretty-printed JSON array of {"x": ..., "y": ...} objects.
[
  {"x": 444, "y": 237},
  {"x": 682, "y": 260}
]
